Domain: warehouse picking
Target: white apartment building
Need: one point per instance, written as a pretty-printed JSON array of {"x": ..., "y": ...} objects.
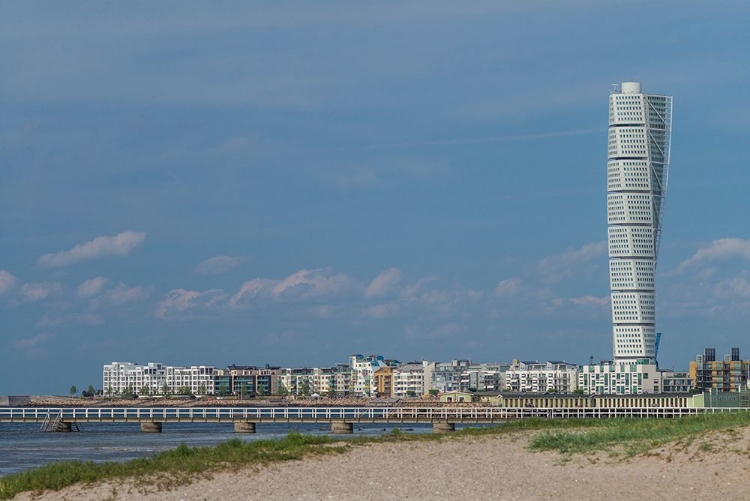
[
  {"x": 542, "y": 377},
  {"x": 412, "y": 378},
  {"x": 483, "y": 377},
  {"x": 640, "y": 130},
  {"x": 622, "y": 378},
  {"x": 362, "y": 368},
  {"x": 446, "y": 376},
  {"x": 124, "y": 377},
  {"x": 198, "y": 380}
]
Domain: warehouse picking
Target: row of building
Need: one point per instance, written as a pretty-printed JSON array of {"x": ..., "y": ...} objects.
[{"x": 376, "y": 376}]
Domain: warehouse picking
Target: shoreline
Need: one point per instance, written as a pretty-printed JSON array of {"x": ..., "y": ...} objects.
[{"x": 485, "y": 467}]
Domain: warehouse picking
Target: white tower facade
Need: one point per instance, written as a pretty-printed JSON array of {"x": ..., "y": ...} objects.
[{"x": 640, "y": 130}]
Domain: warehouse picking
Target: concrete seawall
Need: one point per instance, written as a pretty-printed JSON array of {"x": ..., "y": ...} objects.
[{"x": 14, "y": 400}]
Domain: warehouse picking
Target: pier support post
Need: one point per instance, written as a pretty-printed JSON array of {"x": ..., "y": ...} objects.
[
  {"x": 151, "y": 427},
  {"x": 64, "y": 426},
  {"x": 342, "y": 428},
  {"x": 244, "y": 427},
  {"x": 443, "y": 427}
]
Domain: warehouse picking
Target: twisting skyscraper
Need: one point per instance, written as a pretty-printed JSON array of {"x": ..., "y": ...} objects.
[{"x": 640, "y": 128}]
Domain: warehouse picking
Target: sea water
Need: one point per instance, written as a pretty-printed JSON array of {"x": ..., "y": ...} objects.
[{"x": 24, "y": 446}]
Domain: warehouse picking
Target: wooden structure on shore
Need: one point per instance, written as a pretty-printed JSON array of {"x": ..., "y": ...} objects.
[{"x": 341, "y": 419}]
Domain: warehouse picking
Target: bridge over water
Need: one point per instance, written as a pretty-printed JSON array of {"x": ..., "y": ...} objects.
[{"x": 341, "y": 419}]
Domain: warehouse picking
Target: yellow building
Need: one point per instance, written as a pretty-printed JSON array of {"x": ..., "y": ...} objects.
[
  {"x": 729, "y": 374},
  {"x": 384, "y": 382}
]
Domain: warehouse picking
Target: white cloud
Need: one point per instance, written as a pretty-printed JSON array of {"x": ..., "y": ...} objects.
[
  {"x": 380, "y": 311},
  {"x": 181, "y": 300},
  {"x": 92, "y": 287},
  {"x": 48, "y": 323},
  {"x": 121, "y": 244},
  {"x": 7, "y": 281},
  {"x": 218, "y": 265},
  {"x": 734, "y": 288},
  {"x": 33, "y": 342},
  {"x": 37, "y": 291},
  {"x": 304, "y": 284},
  {"x": 412, "y": 292},
  {"x": 383, "y": 283},
  {"x": 572, "y": 261},
  {"x": 590, "y": 301},
  {"x": 251, "y": 289},
  {"x": 508, "y": 288},
  {"x": 718, "y": 250},
  {"x": 124, "y": 294},
  {"x": 311, "y": 283},
  {"x": 430, "y": 296}
]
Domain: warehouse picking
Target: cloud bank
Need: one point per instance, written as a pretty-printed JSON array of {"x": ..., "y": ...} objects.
[
  {"x": 718, "y": 250},
  {"x": 218, "y": 265},
  {"x": 7, "y": 281},
  {"x": 121, "y": 244}
]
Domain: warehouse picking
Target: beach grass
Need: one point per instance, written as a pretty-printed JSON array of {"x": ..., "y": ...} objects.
[
  {"x": 184, "y": 464},
  {"x": 636, "y": 436},
  {"x": 173, "y": 467}
]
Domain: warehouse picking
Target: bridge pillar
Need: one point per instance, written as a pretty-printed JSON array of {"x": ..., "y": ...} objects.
[
  {"x": 342, "y": 428},
  {"x": 443, "y": 427},
  {"x": 244, "y": 427},
  {"x": 151, "y": 427}
]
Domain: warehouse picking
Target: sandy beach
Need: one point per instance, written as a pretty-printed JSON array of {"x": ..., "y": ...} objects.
[{"x": 501, "y": 467}]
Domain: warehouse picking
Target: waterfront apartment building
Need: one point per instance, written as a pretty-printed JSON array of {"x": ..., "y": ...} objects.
[
  {"x": 121, "y": 378},
  {"x": 541, "y": 377},
  {"x": 246, "y": 380},
  {"x": 638, "y": 153},
  {"x": 323, "y": 381},
  {"x": 363, "y": 368},
  {"x": 483, "y": 377},
  {"x": 446, "y": 376},
  {"x": 633, "y": 378},
  {"x": 725, "y": 375},
  {"x": 412, "y": 379}
]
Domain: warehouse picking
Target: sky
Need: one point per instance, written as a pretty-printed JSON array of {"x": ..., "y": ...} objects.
[{"x": 289, "y": 183}]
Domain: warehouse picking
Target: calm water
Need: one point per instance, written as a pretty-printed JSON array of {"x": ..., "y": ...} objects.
[{"x": 24, "y": 446}]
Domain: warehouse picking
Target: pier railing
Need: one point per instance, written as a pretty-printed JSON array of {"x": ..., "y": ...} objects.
[{"x": 329, "y": 414}]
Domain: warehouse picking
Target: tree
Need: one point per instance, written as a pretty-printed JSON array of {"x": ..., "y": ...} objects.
[
  {"x": 434, "y": 392},
  {"x": 165, "y": 390},
  {"x": 411, "y": 393},
  {"x": 578, "y": 391},
  {"x": 305, "y": 387},
  {"x": 223, "y": 389},
  {"x": 202, "y": 389},
  {"x": 73, "y": 390},
  {"x": 261, "y": 389},
  {"x": 282, "y": 390},
  {"x": 145, "y": 390}
]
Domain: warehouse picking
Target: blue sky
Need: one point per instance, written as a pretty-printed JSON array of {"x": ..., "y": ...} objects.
[{"x": 293, "y": 182}]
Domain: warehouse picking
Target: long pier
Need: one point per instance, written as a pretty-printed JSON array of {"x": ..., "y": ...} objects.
[{"x": 341, "y": 418}]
